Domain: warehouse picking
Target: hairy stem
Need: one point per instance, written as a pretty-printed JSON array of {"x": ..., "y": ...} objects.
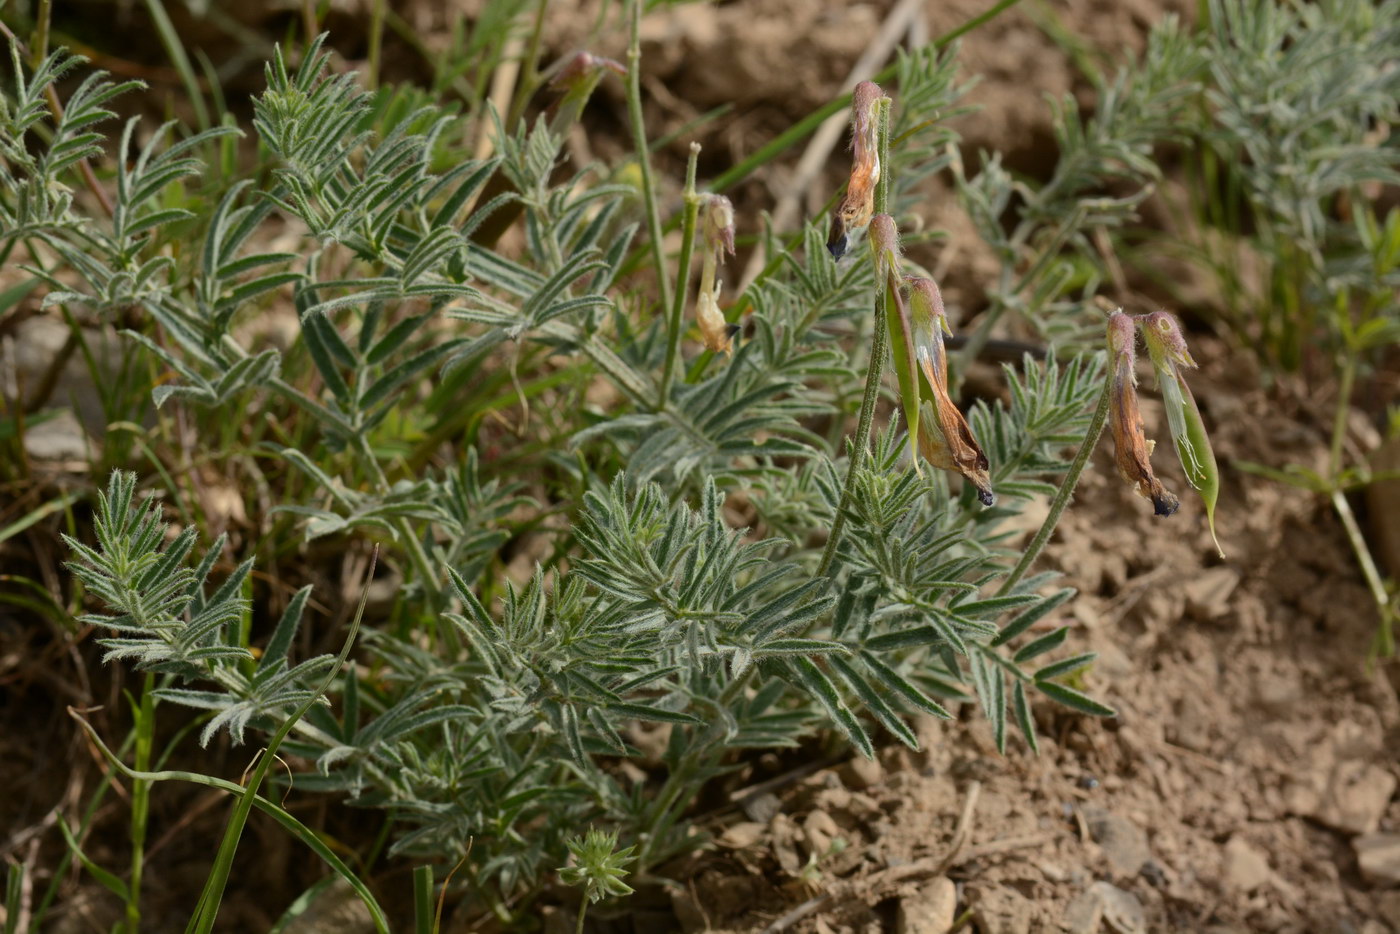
[
  {"x": 1339, "y": 418},
  {"x": 681, "y": 783},
  {"x": 202, "y": 921},
  {"x": 1063, "y": 494},
  {"x": 140, "y": 799},
  {"x": 421, "y": 562},
  {"x": 1384, "y": 645},
  {"x": 876, "y": 367},
  {"x": 639, "y": 141},
  {"x": 673, "y": 337},
  {"x": 376, "y": 42}
]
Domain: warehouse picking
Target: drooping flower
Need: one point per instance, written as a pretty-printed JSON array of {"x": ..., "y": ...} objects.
[
  {"x": 857, "y": 207},
  {"x": 916, "y": 324},
  {"x": 717, "y": 233},
  {"x": 1167, "y": 347},
  {"x": 946, "y": 441},
  {"x": 1131, "y": 447}
]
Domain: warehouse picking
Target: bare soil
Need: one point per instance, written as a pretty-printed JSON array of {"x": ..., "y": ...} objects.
[{"x": 1254, "y": 744}]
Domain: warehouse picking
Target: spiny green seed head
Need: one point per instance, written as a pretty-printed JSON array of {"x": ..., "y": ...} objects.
[{"x": 598, "y": 866}]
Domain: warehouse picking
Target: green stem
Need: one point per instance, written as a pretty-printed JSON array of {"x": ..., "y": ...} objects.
[
  {"x": 530, "y": 74},
  {"x": 275, "y": 811},
  {"x": 423, "y": 900},
  {"x": 639, "y": 141},
  {"x": 873, "y": 372},
  {"x": 203, "y": 920},
  {"x": 681, "y": 780},
  {"x": 1384, "y": 645},
  {"x": 876, "y": 367},
  {"x": 376, "y": 42},
  {"x": 40, "y": 50},
  {"x": 1063, "y": 494},
  {"x": 140, "y": 799},
  {"x": 1339, "y": 419},
  {"x": 422, "y": 564},
  {"x": 175, "y": 48},
  {"x": 582, "y": 913},
  {"x": 673, "y": 338}
]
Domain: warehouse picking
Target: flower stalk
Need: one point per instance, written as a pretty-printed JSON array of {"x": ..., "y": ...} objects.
[
  {"x": 643, "y": 150},
  {"x": 688, "y": 222},
  {"x": 1064, "y": 493},
  {"x": 879, "y": 113}
]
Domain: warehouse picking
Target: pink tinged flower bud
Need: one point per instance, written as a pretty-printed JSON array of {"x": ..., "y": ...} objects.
[
  {"x": 884, "y": 242},
  {"x": 859, "y": 204},
  {"x": 1164, "y": 339},
  {"x": 584, "y": 66},
  {"x": 1132, "y": 449},
  {"x": 717, "y": 225},
  {"x": 717, "y": 232},
  {"x": 576, "y": 81}
]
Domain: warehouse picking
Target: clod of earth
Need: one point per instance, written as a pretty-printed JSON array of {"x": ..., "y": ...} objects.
[
  {"x": 1123, "y": 842},
  {"x": 999, "y": 910},
  {"x": 929, "y": 910},
  {"x": 1378, "y": 854}
]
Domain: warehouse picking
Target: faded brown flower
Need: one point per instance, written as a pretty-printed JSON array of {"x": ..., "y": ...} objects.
[
  {"x": 1131, "y": 447},
  {"x": 945, "y": 440},
  {"x": 859, "y": 204}
]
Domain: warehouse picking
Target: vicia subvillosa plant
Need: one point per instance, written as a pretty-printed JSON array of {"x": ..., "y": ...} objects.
[{"x": 485, "y": 716}]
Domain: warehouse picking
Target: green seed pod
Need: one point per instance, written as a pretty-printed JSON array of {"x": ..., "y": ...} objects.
[{"x": 1167, "y": 348}]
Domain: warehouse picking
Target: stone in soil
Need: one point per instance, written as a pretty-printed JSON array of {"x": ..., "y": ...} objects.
[
  {"x": 999, "y": 910},
  {"x": 60, "y": 438},
  {"x": 1378, "y": 855},
  {"x": 1208, "y": 592},
  {"x": 742, "y": 835},
  {"x": 1351, "y": 799},
  {"x": 1084, "y": 915},
  {"x": 861, "y": 773},
  {"x": 1100, "y": 903},
  {"x": 1121, "y": 909},
  {"x": 929, "y": 910},
  {"x": 821, "y": 832},
  {"x": 335, "y": 910},
  {"x": 1123, "y": 842},
  {"x": 1246, "y": 869}
]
